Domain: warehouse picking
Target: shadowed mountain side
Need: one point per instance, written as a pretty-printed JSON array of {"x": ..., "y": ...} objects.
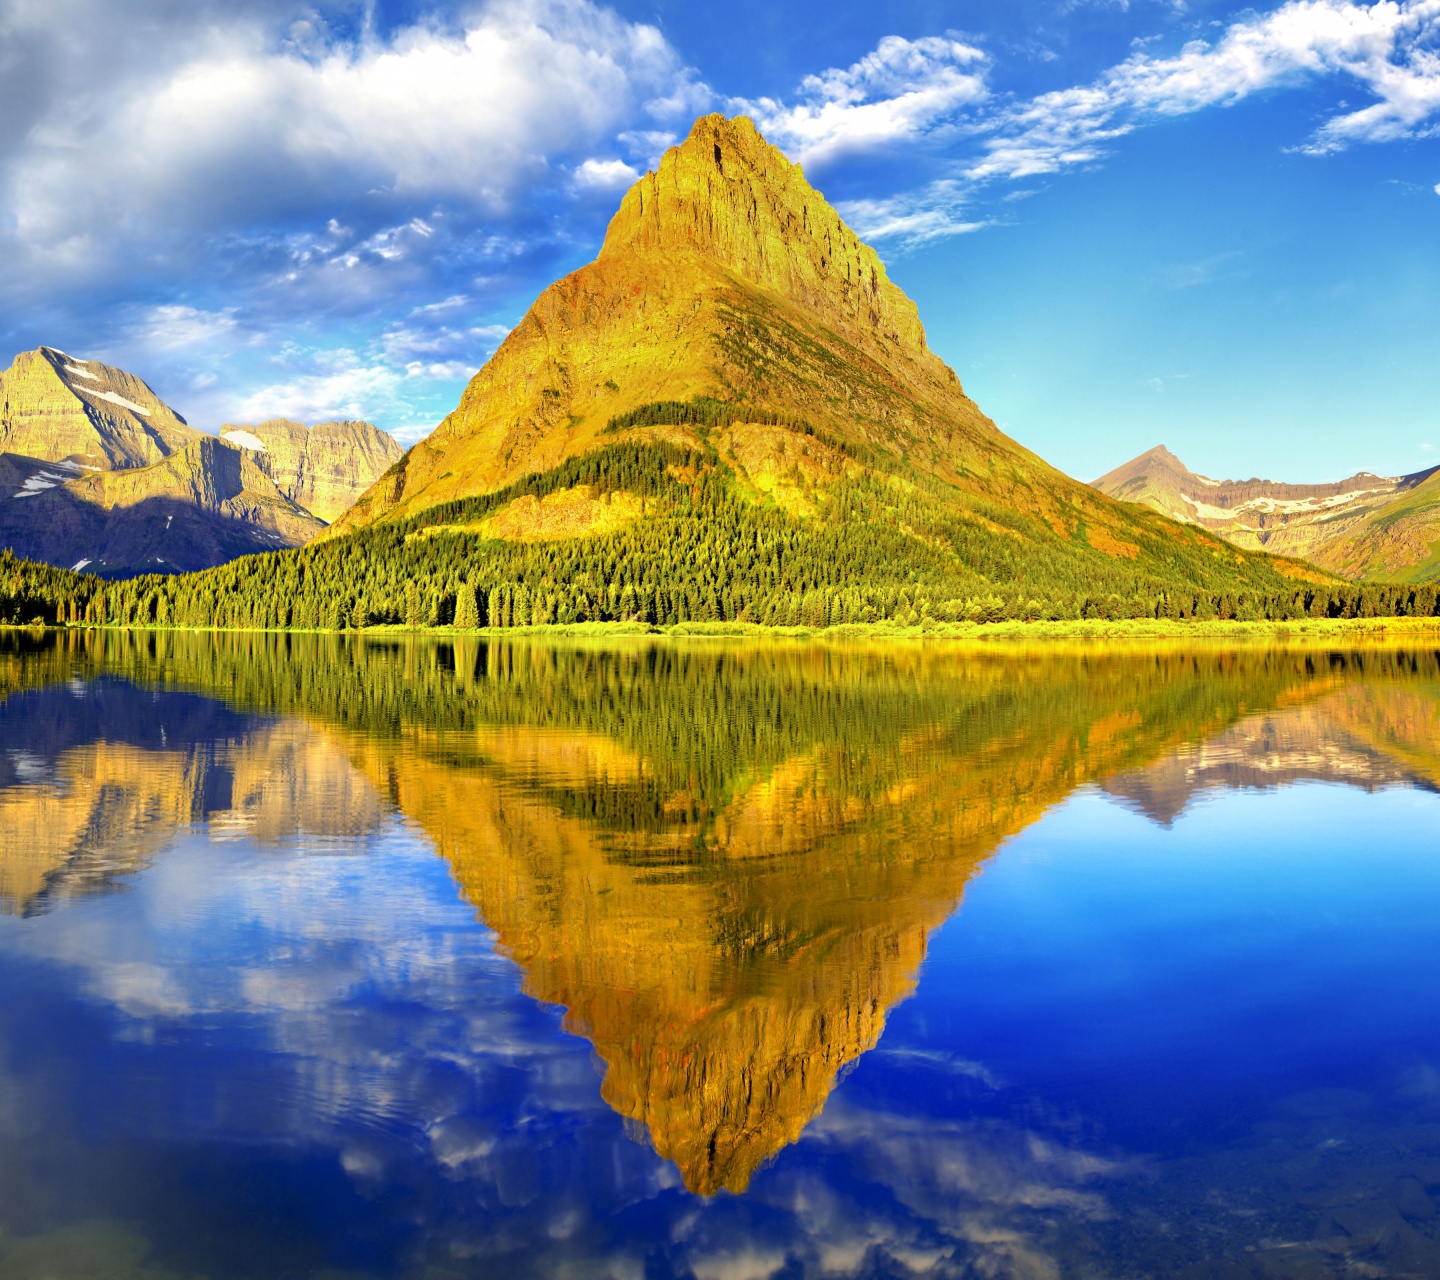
[{"x": 203, "y": 506}]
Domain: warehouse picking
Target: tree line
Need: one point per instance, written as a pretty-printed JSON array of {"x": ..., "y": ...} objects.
[{"x": 704, "y": 552}]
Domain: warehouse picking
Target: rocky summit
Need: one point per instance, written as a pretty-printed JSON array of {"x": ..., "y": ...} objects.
[
  {"x": 323, "y": 468},
  {"x": 1364, "y": 527},
  {"x": 84, "y": 415}
]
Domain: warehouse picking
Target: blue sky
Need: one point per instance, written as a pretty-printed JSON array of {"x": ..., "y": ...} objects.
[{"x": 1126, "y": 222}]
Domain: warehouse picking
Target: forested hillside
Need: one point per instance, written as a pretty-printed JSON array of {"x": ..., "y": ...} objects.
[{"x": 703, "y": 550}]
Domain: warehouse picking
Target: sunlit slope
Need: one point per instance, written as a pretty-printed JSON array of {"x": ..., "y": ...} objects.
[
  {"x": 730, "y": 306},
  {"x": 323, "y": 468},
  {"x": 1367, "y": 527},
  {"x": 1399, "y": 542},
  {"x": 60, "y": 409}
]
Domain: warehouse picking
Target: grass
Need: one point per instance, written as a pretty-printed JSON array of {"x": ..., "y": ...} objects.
[{"x": 1306, "y": 629}]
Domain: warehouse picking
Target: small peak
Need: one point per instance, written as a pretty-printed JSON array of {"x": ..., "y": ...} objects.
[{"x": 1161, "y": 454}]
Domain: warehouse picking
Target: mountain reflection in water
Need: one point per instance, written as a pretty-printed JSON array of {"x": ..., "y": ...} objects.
[{"x": 724, "y": 863}]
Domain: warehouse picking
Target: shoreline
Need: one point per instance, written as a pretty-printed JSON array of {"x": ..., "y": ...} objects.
[{"x": 971, "y": 632}]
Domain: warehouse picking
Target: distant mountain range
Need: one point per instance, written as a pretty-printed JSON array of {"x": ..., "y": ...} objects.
[
  {"x": 97, "y": 472},
  {"x": 1365, "y": 527}
]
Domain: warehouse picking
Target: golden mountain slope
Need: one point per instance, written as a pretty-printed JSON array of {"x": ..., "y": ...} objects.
[
  {"x": 1396, "y": 542},
  {"x": 323, "y": 468},
  {"x": 59, "y": 409},
  {"x": 1368, "y": 526},
  {"x": 725, "y": 275}
]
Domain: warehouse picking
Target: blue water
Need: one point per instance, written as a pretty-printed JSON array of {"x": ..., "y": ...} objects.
[{"x": 240, "y": 1045}]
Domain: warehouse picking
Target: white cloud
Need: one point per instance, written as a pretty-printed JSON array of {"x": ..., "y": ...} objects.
[
  {"x": 238, "y": 129},
  {"x": 171, "y": 326},
  {"x": 899, "y": 92},
  {"x": 1381, "y": 46},
  {"x": 1437, "y": 188},
  {"x": 604, "y": 176},
  {"x": 905, "y": 92},
  {"x": 913, "y": 218}
]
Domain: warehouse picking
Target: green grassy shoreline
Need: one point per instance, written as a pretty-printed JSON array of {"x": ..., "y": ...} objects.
[{"x": 1323, "y": 629}]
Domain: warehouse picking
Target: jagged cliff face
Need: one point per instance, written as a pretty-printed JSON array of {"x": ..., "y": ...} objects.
[
  {"x": 97, "y": 472},
  {"x": 724, "y": 274},
  {"x": 1368, "y": 526},
  {"x": 203, "y": 505},
  {"x": 59, "y": 409},
  {"x": 323, "y": 468}
]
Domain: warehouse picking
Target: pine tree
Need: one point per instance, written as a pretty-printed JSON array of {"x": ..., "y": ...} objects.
[{"x": 467, "y": 609}]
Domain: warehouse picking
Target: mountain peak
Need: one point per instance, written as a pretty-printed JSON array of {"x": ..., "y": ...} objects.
[
  {"x": 728, "y": 194},
  {"x": 56, "y": 407}
]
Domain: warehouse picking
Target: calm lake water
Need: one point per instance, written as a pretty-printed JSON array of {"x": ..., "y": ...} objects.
[{"x": 321, "y": 958}]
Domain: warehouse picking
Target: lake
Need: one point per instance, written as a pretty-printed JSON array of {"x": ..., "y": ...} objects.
[{"x": 331, "y": 958}]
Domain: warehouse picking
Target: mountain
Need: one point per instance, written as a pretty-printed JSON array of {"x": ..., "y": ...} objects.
[
  {"x": 59, "y": 409},
  {"x": 731, "y": 414},
  {"x": 1397, "y": 542},
  {"x": 323, "y": 468},
  {"x": 731, "y": 308},
  {"x": 97, "y": 472},
  {"x": 1367, "y": 526},
  {"x": 203, "y": 505}
]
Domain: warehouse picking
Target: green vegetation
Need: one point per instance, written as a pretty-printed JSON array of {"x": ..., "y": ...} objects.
[
  {"x": 703, "y": 411},
  {"x": 709, "y": 718},
  {"x": 879, "y": 550}
]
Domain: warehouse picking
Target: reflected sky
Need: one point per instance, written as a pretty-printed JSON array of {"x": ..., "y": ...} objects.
[{"x": 906, "y": 965}]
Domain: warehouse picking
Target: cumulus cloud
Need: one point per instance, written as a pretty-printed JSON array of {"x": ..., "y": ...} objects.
[
  {"x": 606, "y": 176},
  {"x": 241, "y": 129},
  {"x": 183, "y": 187}
]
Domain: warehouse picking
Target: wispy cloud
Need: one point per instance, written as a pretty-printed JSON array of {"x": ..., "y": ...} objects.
[
  {"x": 936, "y": 92},
  {"x": 1381, "y": 46},
  {"x": 897, "y": 93}
]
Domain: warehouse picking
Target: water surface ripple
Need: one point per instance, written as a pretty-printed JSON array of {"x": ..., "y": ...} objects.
[{"x": 331, "y": 959}]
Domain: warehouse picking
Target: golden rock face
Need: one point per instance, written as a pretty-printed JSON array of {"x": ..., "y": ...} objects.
[
  {"x": 56, "y": 408},
  {"x": 725, "y": 274},
  {"x": 323, "y": 468}
]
